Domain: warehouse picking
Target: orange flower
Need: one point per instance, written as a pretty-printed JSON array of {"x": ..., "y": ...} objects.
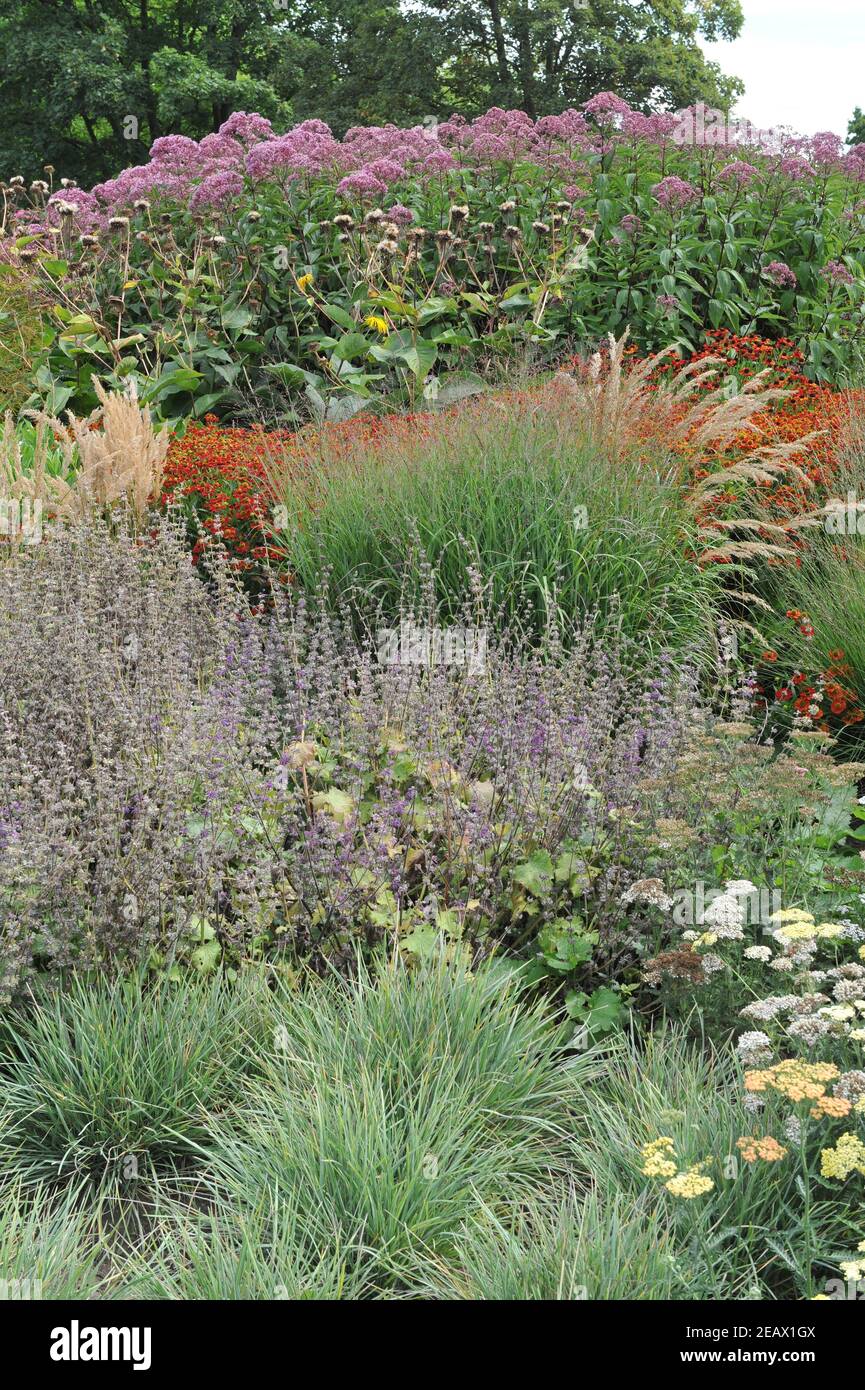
[
  {"x": 753, "y": 1148},
  {"x": 834, "y": 1106}
]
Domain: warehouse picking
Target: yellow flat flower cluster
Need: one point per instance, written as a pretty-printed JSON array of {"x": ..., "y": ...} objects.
[
  {"x": 659, "y": 1161},
  {"x": 693, "y": 1183},
  {"x": 659, "y": 1158},
  {"x": 848, "y": 1156},
  {"x": 798, "y": 931},
  {"x": 854, "y": 1269},
  {"x": 791, "y": 914},
  {"x": 795, "y": 924}
]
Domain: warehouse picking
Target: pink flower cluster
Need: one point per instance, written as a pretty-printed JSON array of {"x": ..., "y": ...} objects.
[
  {"x": 837, "y": 273},
  {"x": 370, "y": 160},
  {"x": 780, "y": 274},
  {"x": 739, "y": 171},
  {"x": 674, "y": 193}
]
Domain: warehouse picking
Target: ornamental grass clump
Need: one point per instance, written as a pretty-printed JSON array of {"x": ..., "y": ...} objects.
[
  {"x": 48, "y": 1244},
  {"x": 613, "y": 487},
  {"x": 507, "y": 495},
  {"x": 560, "y": 1247},
  {"x": 391, "y": 1107},
  {"x": 110, "y": 1083},
  {"x": 72, "y": 469}
]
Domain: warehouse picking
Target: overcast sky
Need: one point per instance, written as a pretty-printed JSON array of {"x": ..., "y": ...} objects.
[{"x": 802, "y": 62}]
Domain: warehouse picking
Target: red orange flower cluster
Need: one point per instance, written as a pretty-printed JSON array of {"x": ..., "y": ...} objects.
[
  {"x": 807, "y": 409},
  {"x": 219, "y": 476},
  {"x": 223, "y": 478},
  {"x": 824, "y": 698}
]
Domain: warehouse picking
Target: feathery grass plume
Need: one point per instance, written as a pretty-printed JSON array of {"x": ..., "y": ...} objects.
[
  {"x": 122, "y": 460},
  {"x": 32, "y": 466},
  {"x": 624, "y": 403}
]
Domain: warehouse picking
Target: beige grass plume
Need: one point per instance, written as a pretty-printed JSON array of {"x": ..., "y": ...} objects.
[
  {"x": 122, "y": 462},
  {"x": 625, "y": 407}
]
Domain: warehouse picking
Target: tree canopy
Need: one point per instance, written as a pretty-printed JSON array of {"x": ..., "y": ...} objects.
[{"x": 87, "y": 87}]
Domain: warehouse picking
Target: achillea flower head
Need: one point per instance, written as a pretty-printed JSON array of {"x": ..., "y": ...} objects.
[
  {"x": 648, "y": 890},
  {"x": 848, "y": 1156},
  {"x": 677, "y": 965},
  {"x": 809, "y": 1031},
  {"x": 834, "y": 1107},
  {"x": 793, "y": 1129},
  {"x": 761, "y": 953},
  {"x": 659, "y": 1158},
  {"x": 828, "y": 931},
  {"x": 763, "y": 1010},
  {"x": 739, "y": 888},
  {"x": 851, "y": 1085},
  {"x": 693, "y": 1183},
  {"x": 766, "y": 1149},
  {"x": 726, "y": 916},
  {"x": 754, "y": 1049},
  {"x": 795, "y": 931},
  {"x": 852, "y": 1270},
  {"x": 793, "y": 1078}
]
